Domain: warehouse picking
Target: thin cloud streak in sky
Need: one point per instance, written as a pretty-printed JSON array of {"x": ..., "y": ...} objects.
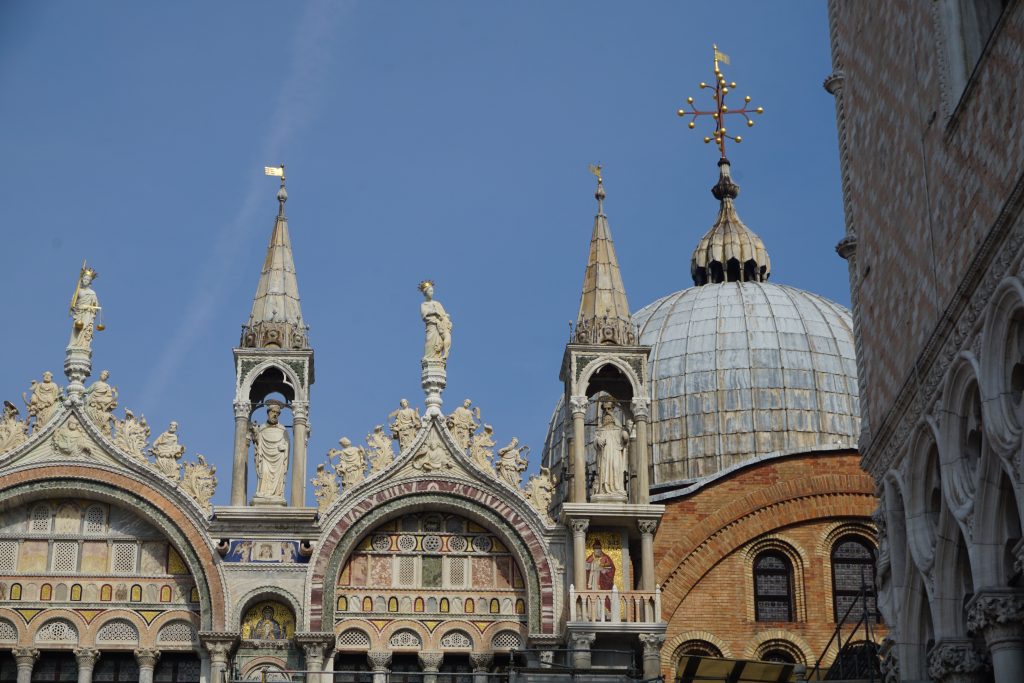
[{"x": 298, "y": 102}]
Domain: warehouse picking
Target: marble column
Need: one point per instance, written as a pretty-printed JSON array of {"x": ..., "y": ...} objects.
[
  {"x": 219, "y": 645},
  {"x": 581, "y": 643},
  {"x": 300, "y": 434},
  {"x": 146, "y": 659},
  {"x": 240, "y": 465},
  {"x": 579, "y": 555},
  {"x": 315, "y": 646},
  {"x": 578, "y": 406},
  {"x": 379, "y": 661},
  {"x": 481, "y": 663},
  {"x": 958, "y": 661},
  {"x": 86, "y": 659},
  {"x": 641, "y": 408},
  {"x": 647, "y": 528},
  {"x": 652, "y": 653},
  {"x": 998, "y": 614},
  {"x": 25, "y": 658},
  {"x": 430, "y": 662}
]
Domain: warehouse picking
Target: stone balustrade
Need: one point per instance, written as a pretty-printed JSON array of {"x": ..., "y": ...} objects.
[{"x": 633, "y": 607}]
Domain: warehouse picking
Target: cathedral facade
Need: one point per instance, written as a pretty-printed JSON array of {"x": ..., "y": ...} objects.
[{"x": 698, "y": 506}]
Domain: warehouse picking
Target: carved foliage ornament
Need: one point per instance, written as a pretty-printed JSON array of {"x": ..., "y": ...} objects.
[{"x": 956, "y": 657}]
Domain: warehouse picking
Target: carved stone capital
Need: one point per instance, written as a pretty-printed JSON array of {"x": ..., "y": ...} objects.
[
  {"x": 481, "y": 661},
  {"x": 641, "y": 407},
  {"x": 652, "y": 643},
  {"x": 314, "y": 645},
  {"x": 300, "y": 411},
  {"x": 582, "y": 641},
  {"x": 242, "y": 409},
  {"x": 578, "y": 405},
  {"x": 890, "y": 665},
  {"x": 847, "y": 247},
  {"x": 431, "y": 661},
  {"x": 25, "y": 657},
  {"x": 379, "y": 660},
  {"x": 834, "y": 82},
  {"x": 219, "y": 644},
  {"x": 647, "y": 526},
  {"x": 579, "y": 526},
  {"x": 998, "y": 614},
  {"x": 86, "y": 657},
  {"x": 957, "y": 660},
  {"x": 147, "y": 657},
  {"x": 547, "y": 657}
]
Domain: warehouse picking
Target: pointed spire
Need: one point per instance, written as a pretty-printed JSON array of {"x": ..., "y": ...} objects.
[
  {"x": 729, "y": 251},
  {"x": 604, "y": 311},
  {"x": 276, "y": 317}
]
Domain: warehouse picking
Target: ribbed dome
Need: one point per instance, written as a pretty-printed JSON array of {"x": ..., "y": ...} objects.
[{"x": 740, "y": 370}]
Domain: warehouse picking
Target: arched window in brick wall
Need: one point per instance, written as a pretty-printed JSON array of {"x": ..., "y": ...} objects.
[
  {"x": 853, "y": 569},
  {"x": 773, "y": 587}
]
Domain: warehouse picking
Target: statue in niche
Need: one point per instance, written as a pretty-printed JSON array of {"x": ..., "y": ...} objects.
[
  {"x": 407, "y": 423},
  {"x": 167, "y": 452},
  {"x": 433, "y": 456},
  {"x": 45, "y": 399},
  {"x": 351, "y": 463},
  {"x": 512, "y": 462},
  {"x": 271, "y": 455},
  {"x": 462, "y": 425},
  {"x": 132, "y": 435},
  {"x": 381, "y": 449},
  {"x": 481, "y": 450},
  {"x": 85, "y": 306},
  {"x": 71, "y": 440},
  {"x": 540, "y": 489},
  {"x": 100, "y": 401},
  {"x": 325, "y": 487},
  {"x": 438, "y": 324},
  {"x": 610, "y": 442},
  {"x": 200, "y": 482},
  {"x": 13, "y": 432}
]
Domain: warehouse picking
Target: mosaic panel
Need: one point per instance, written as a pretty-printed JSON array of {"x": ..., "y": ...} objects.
[
  {"x": 268, "y": 620},
  {"x": 604, "y": 560}
]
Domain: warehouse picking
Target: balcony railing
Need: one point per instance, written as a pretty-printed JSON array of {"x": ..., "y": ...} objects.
[{"x": 626, "y": 607}]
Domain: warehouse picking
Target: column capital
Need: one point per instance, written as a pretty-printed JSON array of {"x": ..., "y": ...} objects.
[
  {"x": 579, "y": 526},
  {"x": 641, "y": 407},
  {"x": 481, "y": 661},
  {"x": 652, "y": 642},
  {"x": 578, "y": 405},
  {"x": 959, "y": 658},
  {"x": 242, "y": 409},
  {"x": 547, "y": 657},
  {"x": 147, "y": 657},
  {"x": 25, "y": 656},
  {"x": 583, "y": 641},
  {"x": 300, "y": 410},
  {"x": 431, "y": 661},
  {"x": 379, "y": 660},
  {"x": 86, "y": 656},
  {"x": 647, "y": 526},
  {"x": 998, "y": 614},
  {"x": 218, "y": 643}
]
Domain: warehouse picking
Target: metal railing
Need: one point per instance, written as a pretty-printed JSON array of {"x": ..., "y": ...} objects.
[{"x": 858, "y": 658}]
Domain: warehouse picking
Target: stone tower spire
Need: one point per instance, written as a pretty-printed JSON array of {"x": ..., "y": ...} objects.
[
  {"x": 729, "y": 251},
  {"x": 274, "y": 371},
  {"x": 276, "y": 317},
  {"x": 604, "y": 311}
]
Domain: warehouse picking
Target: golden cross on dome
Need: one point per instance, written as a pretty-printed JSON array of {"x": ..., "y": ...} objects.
[{"x": 719, "y": 89}]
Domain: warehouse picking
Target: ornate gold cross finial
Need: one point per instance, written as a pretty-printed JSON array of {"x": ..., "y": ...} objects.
[{"x": 719, "y": 90}]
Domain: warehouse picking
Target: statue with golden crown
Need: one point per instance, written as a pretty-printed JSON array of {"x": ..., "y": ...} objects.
[{"x": 84, "y": 309}]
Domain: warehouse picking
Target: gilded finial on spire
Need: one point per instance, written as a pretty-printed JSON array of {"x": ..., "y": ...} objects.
[
  {"x": 719, "y": 89},
  {"x": 595, "y": 169}
]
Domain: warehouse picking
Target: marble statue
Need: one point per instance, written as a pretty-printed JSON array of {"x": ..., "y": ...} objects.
[
  {"x": 382, "y": 451},
  {"x": 271, "y": 455},
  {"x": 611, "y": 442},
  {"x": 167, "y": 452},
  {"x": 132, "y": 434},
  {"x": 512, "y": 462},
  {"x": 351, "y": 463},
  {"x": 481, "y": 450},
  {"x": 325, "y": 487},
  {"x": 407, "y": 423},
  {"x": 44, "y": 401},
  {"x": 100, "y": 401},
  {"x": 433, "y": 456},
  {"x": 200, "y": 482},
  {"x": 462, "y": 425},
  {"x": 13, "y": 432},
  {"x": 71, "y": 440},
  {"x": 540, "y": 489},
  {"x": 438, "y": 324},
  {"x": 85, "y": 306}
]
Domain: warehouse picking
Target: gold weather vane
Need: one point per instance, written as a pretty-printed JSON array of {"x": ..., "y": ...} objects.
[
  {"x": 718, "y": 92},
  {"x": 275, "y": 171},
  {"x": 595, "y": 169}
]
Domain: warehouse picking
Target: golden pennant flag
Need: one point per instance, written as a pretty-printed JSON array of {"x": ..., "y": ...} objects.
[
  {"x": 278, "y": 170},
  {"x": 721, "y": 56}
]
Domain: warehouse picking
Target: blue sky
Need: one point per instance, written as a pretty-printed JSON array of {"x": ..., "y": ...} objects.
[{"x": 447, "y": 140}]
